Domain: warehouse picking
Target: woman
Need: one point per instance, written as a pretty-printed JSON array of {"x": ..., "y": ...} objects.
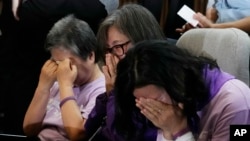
[
  {"x": 68, "y": 85},
  {"x": 128, "y": 25},
  {"x": 120, "y": 30},
  {"x": 179, "y": 93},
  {"x": 223, "y": 14}
]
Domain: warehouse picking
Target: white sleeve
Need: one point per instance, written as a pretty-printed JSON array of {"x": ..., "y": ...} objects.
[{"x": 186, "y": 137}]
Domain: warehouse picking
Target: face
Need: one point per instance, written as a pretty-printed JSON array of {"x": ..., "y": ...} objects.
[
  {"x": 84, "y": 68},
  {"x": 153, "y": 92},
  {"x": 117, "y": 43}
]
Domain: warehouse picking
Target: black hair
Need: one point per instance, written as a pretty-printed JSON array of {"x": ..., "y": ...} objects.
[{"x": 159, "y": 63}]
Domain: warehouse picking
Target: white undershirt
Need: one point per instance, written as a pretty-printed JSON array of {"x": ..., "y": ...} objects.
[{"x": 185, "y": 137}]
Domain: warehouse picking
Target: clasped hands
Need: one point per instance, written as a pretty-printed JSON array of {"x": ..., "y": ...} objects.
[
  {"x": 168, "y": 117},
  {"x": 62, "y": 71}
]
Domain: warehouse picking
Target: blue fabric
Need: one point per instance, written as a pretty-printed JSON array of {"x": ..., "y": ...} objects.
[{"x": 232, "y": 10}]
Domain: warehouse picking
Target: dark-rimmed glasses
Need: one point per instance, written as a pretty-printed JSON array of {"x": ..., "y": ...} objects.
[{"x": 117, "y": 49}]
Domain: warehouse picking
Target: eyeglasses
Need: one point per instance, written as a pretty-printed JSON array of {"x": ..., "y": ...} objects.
[{"x": 117, "y": 49}]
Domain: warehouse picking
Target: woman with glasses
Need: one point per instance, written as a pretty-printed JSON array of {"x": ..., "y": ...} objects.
[
  {"x": 120, "y": 30},
  {"x": 126, "y": 26}
]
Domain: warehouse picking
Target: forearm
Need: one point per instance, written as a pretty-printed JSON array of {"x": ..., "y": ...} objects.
[
  {"x": 72, "y": 119},
  {"x": 242, "y": 24},
  {"x": 36, "y": 111}
]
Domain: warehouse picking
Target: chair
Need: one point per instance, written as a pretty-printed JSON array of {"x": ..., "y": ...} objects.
[{"x": 230, "y": 47}]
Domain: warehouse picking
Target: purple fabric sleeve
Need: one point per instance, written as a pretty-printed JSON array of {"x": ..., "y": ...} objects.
[{"x": 96, "y": 116}]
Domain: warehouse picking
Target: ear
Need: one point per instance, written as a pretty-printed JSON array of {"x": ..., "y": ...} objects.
[
  {"x": 92, "y": 57},
  {"x": 181, "y": 106}
]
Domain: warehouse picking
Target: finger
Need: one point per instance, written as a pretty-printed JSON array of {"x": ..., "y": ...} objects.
[
  {"x": 116, "y": 59},
  {"x": 200, "y": 25},
  {"x": 151, "y": 104},
  {"x": 151, "y": 115},
  {"x": 113, "y": 65},
  {"x": 50, "y": 64},
  {"x": 140, "y": 106},
  {"x": 74, "y": 68},
  {"x": 156, "y": 103},
  {"x": 106, "y": 72},
  {"x": 151, "y": 108},
  {"x": 109, "y": 64},
  {"x": 180, "y": 30},
  {"x": 65, "y": 63}
]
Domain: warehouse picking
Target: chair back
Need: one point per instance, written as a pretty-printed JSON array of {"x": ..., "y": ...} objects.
[{"x": 229, "y": 46}]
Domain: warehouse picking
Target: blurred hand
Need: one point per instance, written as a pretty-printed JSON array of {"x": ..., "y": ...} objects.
[
  {"x": 66, "y": 73},
  {"x": 48, "y": 74},
  {"x": 212, "y": 14},
  {"x": 204, "y": 22},
  {"x": 184, "y": 28},
  {"x": 15, "y": 5},
  {"x": 109, "y": 71},
  {"x": 167, "y": 117}
]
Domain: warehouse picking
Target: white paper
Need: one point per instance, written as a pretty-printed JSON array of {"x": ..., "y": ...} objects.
[{"x": 187, "y": 14}]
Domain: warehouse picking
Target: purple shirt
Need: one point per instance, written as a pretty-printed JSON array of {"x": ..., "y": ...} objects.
[{"x": 229, "y": 103}]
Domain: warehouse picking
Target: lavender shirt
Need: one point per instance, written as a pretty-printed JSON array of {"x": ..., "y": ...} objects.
[{"x": 86, "y": 97}]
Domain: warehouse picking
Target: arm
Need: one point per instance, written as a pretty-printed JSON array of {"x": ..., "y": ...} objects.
[
  {"x": 36, "y": 111},
  {"x": 242, "y": 24},
  {"x": 73, "y": 121}
]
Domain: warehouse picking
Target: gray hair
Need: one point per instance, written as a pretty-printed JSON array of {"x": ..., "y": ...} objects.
[
  {"x": 74, "y": 35},
  {"x": 134, "y": 21}
]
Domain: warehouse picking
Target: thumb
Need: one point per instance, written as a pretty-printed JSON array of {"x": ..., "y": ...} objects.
[
  {"x": 74, "y": 68},
  {"x": 106, "y": 72}
]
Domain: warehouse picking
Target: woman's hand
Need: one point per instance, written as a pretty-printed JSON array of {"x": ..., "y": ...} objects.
[
  {"x": 167, "y": 117},
  {"x": 184, "y": 28},
  {"x": 66, "y": 73},
  {"x": 109, "y": 71},
  {"x": 204, "y": 22},
  {"x": 48, "y": 74}
]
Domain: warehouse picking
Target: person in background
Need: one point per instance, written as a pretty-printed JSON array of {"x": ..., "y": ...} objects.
[
  {"x": 68, "y": 85},
  {"x": 223, "y": 14},
  {"x": 128, "y": 25},
  {"x": 179, "y": 93}
]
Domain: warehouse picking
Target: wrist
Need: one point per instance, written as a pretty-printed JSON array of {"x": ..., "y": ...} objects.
[
  {"x": 65, "y": 84},
  {"x": 63, "y": 101},
  {"x": 65, "y": 91}
]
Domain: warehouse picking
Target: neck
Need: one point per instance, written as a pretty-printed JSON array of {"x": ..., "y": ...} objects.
[{"x": 97, "y": 73}]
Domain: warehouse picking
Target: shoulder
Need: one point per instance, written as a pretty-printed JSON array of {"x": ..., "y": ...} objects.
[{"x": 234, "y": 95}]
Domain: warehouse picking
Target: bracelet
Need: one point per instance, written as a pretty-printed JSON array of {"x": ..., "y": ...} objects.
[
  {"x": 66, "y": 99},
  {"x": 180, "y": 133}
]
